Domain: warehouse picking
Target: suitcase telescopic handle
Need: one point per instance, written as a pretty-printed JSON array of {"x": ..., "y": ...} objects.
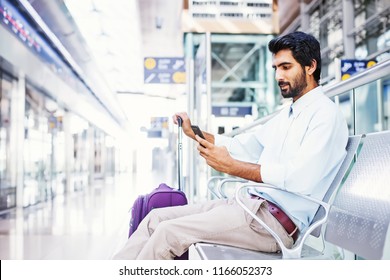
[
  {"x": 180, "y": 154},
  {"x": 180, "y": 121}
]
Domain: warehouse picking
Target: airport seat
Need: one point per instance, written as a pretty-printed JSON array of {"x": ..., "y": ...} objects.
[
  {"x": 359, "y": 218},
  {"x": 215, "y": 251}
]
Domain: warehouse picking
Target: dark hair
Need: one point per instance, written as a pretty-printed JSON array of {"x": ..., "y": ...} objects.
[{"x": 304, "y": 48}]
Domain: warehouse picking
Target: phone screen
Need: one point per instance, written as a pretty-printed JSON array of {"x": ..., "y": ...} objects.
[{"x": 197, "y": 131}]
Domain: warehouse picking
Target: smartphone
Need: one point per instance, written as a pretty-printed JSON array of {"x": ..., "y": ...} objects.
[{"x": 197, "y": 131}]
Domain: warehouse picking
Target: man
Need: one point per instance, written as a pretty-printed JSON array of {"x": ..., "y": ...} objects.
[{"x": 299, "y": 150}]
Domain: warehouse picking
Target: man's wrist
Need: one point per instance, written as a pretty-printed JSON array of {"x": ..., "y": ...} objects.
[
  {"x": 233, "y": 167},
  {"x": 244, "y": 170}
]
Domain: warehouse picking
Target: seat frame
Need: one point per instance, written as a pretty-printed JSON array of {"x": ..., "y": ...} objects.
[{"x": 318, "y": 221}]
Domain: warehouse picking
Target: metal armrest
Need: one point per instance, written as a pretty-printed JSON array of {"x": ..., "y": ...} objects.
[
  {"x": 296, "y": 250},
  {"x": 216, "y": 188},
  {"x": 212, "y": 187},
  {"x": 228, "y": 180}
]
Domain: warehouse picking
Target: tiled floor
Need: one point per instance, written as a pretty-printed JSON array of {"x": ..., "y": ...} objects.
[
  {"x": 79, "y": 226},
  {"x": 83, "y": 226}
]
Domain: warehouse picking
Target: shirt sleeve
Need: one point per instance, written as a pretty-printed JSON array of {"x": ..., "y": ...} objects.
[{"x": 245, "y": 147}]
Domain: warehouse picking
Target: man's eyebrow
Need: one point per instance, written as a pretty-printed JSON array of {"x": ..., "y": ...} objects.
[{"x": 281, "y": 64}]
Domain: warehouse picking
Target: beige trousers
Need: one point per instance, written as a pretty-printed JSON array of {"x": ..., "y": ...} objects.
[{"x": 168, "y": 232}]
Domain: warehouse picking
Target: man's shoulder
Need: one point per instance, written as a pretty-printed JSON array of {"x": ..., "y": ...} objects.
[
  {"x": 323, "y": 109},
  {"x": 325, "y": 103}
]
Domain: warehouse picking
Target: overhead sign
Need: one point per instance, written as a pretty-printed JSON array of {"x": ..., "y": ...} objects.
[
  {"x": 159, "y": 127},
  {"x": 231, "y": 110},
  {"x": 164, "y": 70},
  {"x": 353, "y": 66}
]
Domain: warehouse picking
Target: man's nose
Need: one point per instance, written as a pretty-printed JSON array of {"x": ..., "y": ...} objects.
[{"x": 278, "y": 76}]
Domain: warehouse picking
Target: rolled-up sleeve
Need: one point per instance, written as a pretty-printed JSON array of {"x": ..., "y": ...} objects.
[
  {"x": 245, "y": 147},
  {"x": 274, "y": 174}
]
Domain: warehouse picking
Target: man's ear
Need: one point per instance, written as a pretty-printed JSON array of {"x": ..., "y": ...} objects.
[{"x": 312, "y": 67}]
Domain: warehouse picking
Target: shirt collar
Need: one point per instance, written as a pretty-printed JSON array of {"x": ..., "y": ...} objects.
[{"x": 298, "y": 106}]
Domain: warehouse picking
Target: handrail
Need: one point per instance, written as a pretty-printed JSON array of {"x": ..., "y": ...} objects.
[
  {"x": 255, "y": 123},
  {"x": 374, "y": 73}
]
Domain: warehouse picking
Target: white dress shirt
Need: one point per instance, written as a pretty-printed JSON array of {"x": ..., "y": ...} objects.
[{"x": 299, "y": 150}]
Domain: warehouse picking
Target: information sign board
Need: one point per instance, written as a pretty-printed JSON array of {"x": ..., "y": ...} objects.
[{"x": 164, "y": 70}]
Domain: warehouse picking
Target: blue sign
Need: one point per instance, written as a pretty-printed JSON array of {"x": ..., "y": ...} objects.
[
  {"x": 353, "y": 66},
  {"x": 158, "y": 127},
  {"x": 231, "y": 110},
  {"x": 164, "y": 70}
]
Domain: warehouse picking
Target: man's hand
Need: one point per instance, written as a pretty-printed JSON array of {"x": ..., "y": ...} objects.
[
  {"x": 216, "y": 157},
  {"x": 186, "y": 125},
  {"x": 219, "y": 158}
]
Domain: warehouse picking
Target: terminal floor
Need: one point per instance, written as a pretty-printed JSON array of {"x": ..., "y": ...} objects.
[{"x": 91, "y": 225}]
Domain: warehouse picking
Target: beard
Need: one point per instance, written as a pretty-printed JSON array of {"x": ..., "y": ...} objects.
[{"x": 294, "y": 90}]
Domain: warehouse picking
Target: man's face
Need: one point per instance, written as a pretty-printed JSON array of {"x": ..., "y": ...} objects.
[{"x": 289, "y": 74}]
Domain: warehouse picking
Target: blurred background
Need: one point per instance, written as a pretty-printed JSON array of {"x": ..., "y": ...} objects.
[{"x": 88, "y": 89}]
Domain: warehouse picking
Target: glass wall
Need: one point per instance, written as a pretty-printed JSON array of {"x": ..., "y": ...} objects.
[
  {"x": 42, "y": 152},
  {"x": 99, "y": 160},
  {"x": 7, "y": 182},
  {"x": 81, "y": 148},
  {"x": 89, "y": 153},
  {"x": 111, "y": 161},
  {"x": 57, "y": 174},
  {"x": 366, "y": 107},
  {"x": 347, "y": 107},
  {"x": 386, "y": 105},
  {"x": 367, "y": 110},
  {"x": 37, "y": 150}
]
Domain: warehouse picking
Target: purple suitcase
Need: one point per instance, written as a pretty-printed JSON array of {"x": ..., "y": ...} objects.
[{"x": 162, "y": 196}]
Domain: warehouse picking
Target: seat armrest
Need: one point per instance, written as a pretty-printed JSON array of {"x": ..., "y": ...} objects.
[
  {"x": 211, "y": 185},
  {"x": 228, "y": 180},
  {"x": 296, "y": 250},
  {"x": 216, "y": 188}
]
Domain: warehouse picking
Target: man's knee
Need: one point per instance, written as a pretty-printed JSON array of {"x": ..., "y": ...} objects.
[
  {"x": 152, "y": 220},
  {"x": 160, "y": 214},
  {"x": 164, "y": 226},
  {"x": 167, "y": 229}
]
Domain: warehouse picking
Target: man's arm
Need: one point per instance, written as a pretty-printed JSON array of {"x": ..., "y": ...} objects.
[{"x": 219, "y": 158}]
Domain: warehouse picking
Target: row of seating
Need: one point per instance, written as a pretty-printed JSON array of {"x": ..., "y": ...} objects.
[{"x": 354, "y": 215}]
